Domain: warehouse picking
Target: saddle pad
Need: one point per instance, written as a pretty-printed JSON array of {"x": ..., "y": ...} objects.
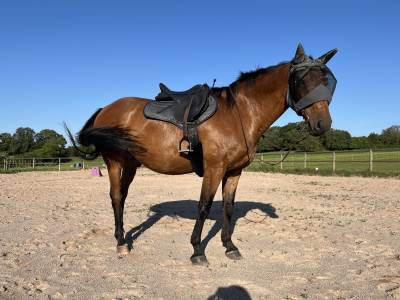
[{"x": 167, "y": 111}]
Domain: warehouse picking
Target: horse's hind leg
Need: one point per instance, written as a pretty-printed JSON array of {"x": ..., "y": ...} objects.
[
  {"x": 121, "y": 176},
  {"x": 229, "y": 185}
]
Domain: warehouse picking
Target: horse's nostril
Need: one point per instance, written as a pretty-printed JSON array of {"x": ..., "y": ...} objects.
[{"x": 319, "y": 125}]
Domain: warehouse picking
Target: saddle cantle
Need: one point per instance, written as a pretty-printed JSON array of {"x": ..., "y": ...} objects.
[{"x": 186, "y": 110}]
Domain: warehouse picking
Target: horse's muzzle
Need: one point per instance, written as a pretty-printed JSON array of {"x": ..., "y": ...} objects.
[
  {"x": 319, "y": 126},
  {"x": 318, "y": 118}
]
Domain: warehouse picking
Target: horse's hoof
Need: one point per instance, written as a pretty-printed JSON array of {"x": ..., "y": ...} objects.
[
  {"x": 123, "y": 249},
  {"x": 233, "y": 254},
  {"x": 199, "y": 260}
]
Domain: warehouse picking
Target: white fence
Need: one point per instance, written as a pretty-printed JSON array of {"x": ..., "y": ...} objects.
[
  {"x": 360, "y": 161},
  {"x": 48, "y": 164},
  {"x": 356, "y": 161}
]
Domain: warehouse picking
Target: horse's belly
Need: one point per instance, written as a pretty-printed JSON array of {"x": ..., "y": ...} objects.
[
  {"x": 166, "y": 164},
  {"x": 161, "y": 141}
]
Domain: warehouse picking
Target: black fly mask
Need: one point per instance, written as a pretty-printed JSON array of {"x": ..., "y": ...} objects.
[{"x": 317, "y": 90}]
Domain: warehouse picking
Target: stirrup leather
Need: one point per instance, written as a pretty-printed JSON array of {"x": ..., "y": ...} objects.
[{"x": 185, "y": 130}]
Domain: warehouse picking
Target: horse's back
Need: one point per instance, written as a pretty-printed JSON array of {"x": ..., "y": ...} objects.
[{"x": 120, "y": 111}]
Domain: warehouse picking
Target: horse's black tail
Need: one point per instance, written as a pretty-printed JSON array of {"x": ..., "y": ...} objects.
[{"x": 96, "y": 139}]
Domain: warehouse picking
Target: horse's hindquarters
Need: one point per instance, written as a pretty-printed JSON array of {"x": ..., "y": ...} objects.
[{"x": 158, "y": 141}]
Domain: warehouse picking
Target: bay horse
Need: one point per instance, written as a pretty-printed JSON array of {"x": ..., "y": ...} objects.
[{"x": 246, "y": 108}]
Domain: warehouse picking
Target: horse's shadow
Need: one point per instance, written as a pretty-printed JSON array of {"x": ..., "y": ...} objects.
[{"x": 188, "y": 209}]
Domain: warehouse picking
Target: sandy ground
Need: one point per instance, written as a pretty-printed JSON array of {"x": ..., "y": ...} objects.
[{"x": 301, "y": 237}]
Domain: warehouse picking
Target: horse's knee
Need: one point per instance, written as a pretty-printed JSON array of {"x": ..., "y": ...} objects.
[
  {"x": 203, "y": 213},
  {"x": 204, "y": 210},
  {"x": 228, "y": 208},
  {"x": 115, "y": 196}
]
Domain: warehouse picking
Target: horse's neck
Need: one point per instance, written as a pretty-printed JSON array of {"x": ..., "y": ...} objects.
[{"x": 262, "y": 102}]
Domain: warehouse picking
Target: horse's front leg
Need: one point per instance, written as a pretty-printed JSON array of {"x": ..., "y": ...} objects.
[
  {"x": 229, "y": 185},
  {"x": 211, "y": 180}
]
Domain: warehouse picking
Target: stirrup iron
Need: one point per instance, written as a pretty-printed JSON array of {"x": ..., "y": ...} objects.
[{"x": 186, "y": 151}]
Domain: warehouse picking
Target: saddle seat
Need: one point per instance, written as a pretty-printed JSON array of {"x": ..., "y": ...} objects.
[
  {"x": 193, "y": 90},
  {"x": 170, "y": 106}
]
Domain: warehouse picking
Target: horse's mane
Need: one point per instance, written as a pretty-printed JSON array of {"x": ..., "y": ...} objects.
[
  {"x": 251, "y": 76},
  {"x": 248, "y": 77}
]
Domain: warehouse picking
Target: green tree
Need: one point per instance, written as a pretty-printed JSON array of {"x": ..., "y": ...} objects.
[
  {"x": 5, "y": 141},
  {"x": 390, "y": 137},
  {"x": 310, "y": 143},
  {"x": 336, "y": 139},
  {"x": 270, "y": 140},
  {"x": 22, "y": 140},
  {"x": 297, "y": 136},
  {"x": 375, "y": 141},
  {"x": 294, "y": 136},
  {"x": 48, "y": 143},
  {"x": 359, "y": 142}
]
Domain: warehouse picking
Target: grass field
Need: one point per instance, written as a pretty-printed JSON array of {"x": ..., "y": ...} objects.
[
  {"x": 384, "y": 163},
  {"x": 50, "y": 164}
]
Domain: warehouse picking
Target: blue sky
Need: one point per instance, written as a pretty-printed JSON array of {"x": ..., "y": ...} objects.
[{"x": 61, "y": 60}]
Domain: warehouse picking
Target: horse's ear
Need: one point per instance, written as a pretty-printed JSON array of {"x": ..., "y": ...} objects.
[
  {"x": 300, "y": 55},
  {"x": 327, "y": 56},
  {"x": 299, "y": 51}
]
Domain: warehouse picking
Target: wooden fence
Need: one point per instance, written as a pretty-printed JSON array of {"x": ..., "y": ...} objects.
[
  {"x": 384, "y": 161},
  {"x": 376, "y": 161},
  {"x": 8, "y": 164}
]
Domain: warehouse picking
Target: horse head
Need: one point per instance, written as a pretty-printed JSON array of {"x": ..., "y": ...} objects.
[{"x": 311, "y": 87}]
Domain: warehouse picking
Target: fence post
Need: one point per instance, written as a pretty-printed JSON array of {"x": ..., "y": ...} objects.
[
  {"x": 33, "y": 163},
  {"x": 4, "y": 164},
  {"x": 83, "y": 165},
  {"x": 333, "y": 161},
  {"x": 371, "y": 159},
  {"x": 281, "y": 162},
  {"x": 305, "y": 160},
  {"x": 59, "y": 164}
]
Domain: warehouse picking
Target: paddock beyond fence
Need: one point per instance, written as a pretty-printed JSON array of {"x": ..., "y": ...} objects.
[
  {"x": 375, "y": 162},
  {"x": 47, "y": 164},
  {"x": 384, "y": 162}
]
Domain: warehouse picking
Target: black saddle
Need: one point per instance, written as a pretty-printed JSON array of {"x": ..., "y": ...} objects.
[
  {"x": 174, "y": 104},
  {"x": 186, "y": 110},
  {"x": 170, "y": 106}
]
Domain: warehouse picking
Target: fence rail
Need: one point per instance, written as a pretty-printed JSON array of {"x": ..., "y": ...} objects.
[
  {"x": 47, "y": 164},
  {"x": 366, "y": 161},
  {"x": 372, "y": 161}
]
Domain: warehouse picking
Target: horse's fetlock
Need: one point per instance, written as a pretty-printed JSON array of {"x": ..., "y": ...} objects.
[{"x": 119, "y": 235}]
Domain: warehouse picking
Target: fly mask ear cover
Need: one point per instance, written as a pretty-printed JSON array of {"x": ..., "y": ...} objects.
[{"x": 318, "y": 93}]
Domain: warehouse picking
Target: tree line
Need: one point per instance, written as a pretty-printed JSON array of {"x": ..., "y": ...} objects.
[
  {"x": 298, "y": 137},
  {"x": 26, "y": 142}
]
